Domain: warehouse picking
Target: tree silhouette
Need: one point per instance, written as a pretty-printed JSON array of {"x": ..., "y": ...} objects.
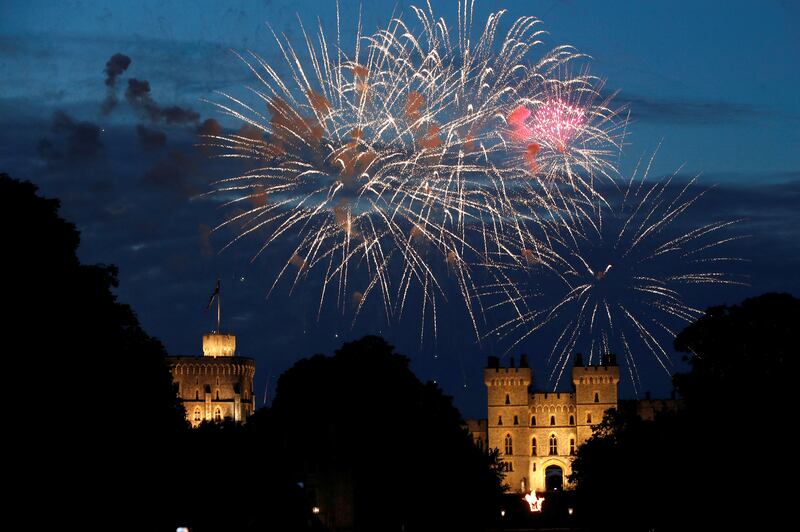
[
  {"x": 96, "y": 386},
  {"x": 739, "y": 352},
  {"x": 716, "y": 462},
  {"x": 381, "y": 449}
]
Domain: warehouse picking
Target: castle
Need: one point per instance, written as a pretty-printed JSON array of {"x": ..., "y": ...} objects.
[
  {"x": 537, "y": 433},
  {"x": 216, "y": 386}
]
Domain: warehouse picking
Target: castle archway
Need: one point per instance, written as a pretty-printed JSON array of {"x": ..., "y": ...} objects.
[{"x": 553, "y": 478}]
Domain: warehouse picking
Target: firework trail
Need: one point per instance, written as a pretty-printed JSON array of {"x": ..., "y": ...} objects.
[{"x": 621, "y": 268}]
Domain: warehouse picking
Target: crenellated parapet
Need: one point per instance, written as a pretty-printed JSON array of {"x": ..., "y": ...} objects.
[{"x": 185, "y": 365}]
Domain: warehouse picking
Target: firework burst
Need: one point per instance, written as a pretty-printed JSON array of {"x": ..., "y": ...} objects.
[
  {"x": 622, "y": 268},
  {"x": 390, "y": 160}
]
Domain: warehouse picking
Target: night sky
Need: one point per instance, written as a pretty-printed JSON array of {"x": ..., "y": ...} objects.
[{"x": 714, "y": 85}]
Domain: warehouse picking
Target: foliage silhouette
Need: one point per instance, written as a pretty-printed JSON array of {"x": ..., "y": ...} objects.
[
  {"x": 364, "y": 426},
  {"x": 716, "y": 461},
  {"x": 98, "y": 385}
]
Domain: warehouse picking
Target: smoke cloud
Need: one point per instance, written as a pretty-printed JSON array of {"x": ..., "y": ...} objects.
[
  {"x": 138, "y": 96},
  {"x": 70, "y": 139}
]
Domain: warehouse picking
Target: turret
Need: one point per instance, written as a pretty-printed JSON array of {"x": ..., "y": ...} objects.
[
  {"x": 595, "y": 392},
  {"x": 507, "y": 386},
  {"x": 219, "y": 345}
]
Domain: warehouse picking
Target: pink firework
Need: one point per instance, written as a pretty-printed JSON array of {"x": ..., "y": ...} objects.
[{"x": 556, "y": 123}]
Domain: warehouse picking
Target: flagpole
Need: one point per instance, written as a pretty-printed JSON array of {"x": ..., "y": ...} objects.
[{"x": 219, "y": 297}]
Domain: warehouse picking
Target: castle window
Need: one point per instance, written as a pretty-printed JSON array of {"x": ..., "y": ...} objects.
[
  {"x": 508, "y": 400},
  {"x": 197, "y": 395},
  {"x": 533, "y": 447},
  {"x": 516, "y": 420},
  {"x": 533, "y": 421},
  {"x": 572, "y": 446},
  {"x": 197, "y": 415},
  {"x": 589, "y": 417},
  {"x": 508, "y": 445},
  {"x": 217, "y": 395},
  {"x": 534, "y": 467},
  {"x": 571, "y": 420},
  {"x": 217, "y": 414},
  {"x": 553, "y": 444},
  {"x": 552, "y": 420},
  {"x": 596, "y": 397}
]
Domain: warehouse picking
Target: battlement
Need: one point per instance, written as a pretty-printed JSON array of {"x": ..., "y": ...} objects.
[
  {"x": 494, "y": 363},
  {"x": 188, "y": 365},
  {"x": 590, "y": 370},
  {"x": 552, "y": 397},
  {"x": 495, "y": 375},
  {"x": 510, "y": 370}
]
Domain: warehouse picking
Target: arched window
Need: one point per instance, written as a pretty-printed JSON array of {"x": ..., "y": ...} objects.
[
  {"x": 571, "y": 420},
  {"x": 508, "y": 444},
  {"x": 572, "y": 446},
  {"x": 508, "y": 400},
  {"x": 533, "y": 447},
  {"x": 500, "y": 420},
  {"x": 589, "y": 417},
  {"x": 516, "y": 420},
  {"x": 197, "y": 415},
  {"x": 533, "y": 421},
  {"x": 217, "y": 414},
  {"x": 197, "y": 395},
  {"x": 217, "y": 395},
  {"x": 552, "y": 420},
  {"x": 553, "y": 444},
  {"x": 596, "y": 397}
]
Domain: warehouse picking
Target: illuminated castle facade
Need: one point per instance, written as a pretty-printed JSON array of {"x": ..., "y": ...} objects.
[
  {"x": 537, "y": 433},
  {"x": 218, "y": 385}
]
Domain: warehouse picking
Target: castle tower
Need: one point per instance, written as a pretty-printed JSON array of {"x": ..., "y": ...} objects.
[
  {"x": 218, "y": 385},
  {"x": 595, "y": 392},
  {"x": 507, "y": 426}
]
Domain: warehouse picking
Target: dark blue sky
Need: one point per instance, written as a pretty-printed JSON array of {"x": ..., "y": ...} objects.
[{"x": 715, "y": 84}]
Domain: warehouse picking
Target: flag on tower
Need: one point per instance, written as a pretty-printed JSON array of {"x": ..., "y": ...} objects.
[{"x": 214, "y": 295}]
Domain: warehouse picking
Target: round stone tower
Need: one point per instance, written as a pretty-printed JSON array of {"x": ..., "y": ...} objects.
[{"x": 218, "y": 385}]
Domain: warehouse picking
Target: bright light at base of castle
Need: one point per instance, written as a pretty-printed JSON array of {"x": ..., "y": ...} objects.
[{"x": 534, "y": 502}]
